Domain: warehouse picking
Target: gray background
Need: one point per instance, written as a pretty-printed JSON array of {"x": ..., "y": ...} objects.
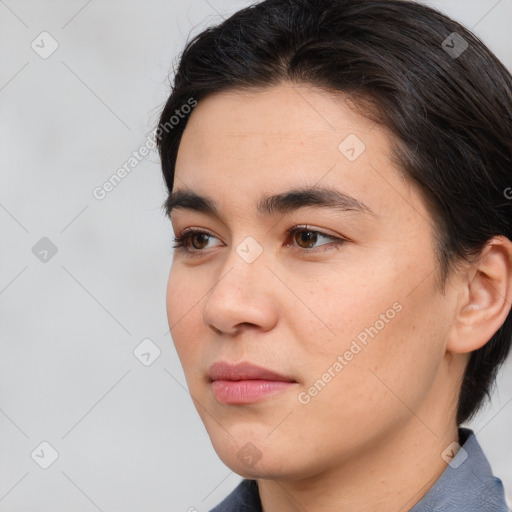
[{"x": 127, "y": 435}]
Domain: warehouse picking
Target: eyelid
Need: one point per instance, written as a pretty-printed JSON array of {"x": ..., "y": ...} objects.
[
  {"x": 307, "y": 227},
  {"x": 187, "y": 233}
]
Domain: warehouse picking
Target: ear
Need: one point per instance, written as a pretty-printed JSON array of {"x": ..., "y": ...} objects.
[{"x": 485, "y": 297}]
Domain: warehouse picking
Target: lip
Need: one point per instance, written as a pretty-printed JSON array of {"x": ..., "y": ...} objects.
[
  {"x": 222, "y": 370},
  {"x": 245, "y": 383}
]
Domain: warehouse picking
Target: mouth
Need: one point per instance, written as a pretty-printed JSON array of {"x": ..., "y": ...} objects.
[{"x": 245, "y": 383}]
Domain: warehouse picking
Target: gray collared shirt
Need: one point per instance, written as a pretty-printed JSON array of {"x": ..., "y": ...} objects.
[{"x": 466, "y": 485}]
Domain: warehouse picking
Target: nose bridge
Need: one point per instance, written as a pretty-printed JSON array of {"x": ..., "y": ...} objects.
[
  {"x": 240, "y": 294},
  {"x": 243, "y": 268}
]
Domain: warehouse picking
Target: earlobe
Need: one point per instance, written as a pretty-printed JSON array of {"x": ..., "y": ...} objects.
[{"x": 486, "y": 298}]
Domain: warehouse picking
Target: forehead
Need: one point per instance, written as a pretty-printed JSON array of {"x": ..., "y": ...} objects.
[
  {"x": 239, "y": 146},
  {"x": 281, "y": 128},
  {"x": 287, "y": 120}
]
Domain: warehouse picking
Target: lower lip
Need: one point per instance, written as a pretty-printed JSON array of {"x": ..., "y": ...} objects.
[{"x": 247, "y": 391}]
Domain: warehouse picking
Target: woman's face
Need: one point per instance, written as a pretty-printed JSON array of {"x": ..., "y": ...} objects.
[{"x": 346, "y": 308}]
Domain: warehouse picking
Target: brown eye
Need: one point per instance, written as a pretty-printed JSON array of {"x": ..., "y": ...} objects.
[
  {"x": 305, "y": 238},
  {"x": 199, "y": 240},
  {"x": 310, "y": 240},
  {"x": 193, "y": 241}
]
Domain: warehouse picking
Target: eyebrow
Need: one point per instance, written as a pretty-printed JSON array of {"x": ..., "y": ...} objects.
[{"x": 285, "y": 202}]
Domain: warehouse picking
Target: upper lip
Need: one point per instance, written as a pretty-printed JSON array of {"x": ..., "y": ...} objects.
[{"x": 222, "y": 370}]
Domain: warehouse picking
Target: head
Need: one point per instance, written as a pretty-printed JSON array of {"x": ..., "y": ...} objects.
[{"x": 394, "y": 156}]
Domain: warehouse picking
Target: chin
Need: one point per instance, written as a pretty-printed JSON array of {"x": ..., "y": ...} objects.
[{"x": 255, "y": 457}]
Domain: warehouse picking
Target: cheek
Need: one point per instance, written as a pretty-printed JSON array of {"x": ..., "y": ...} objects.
[
  {"x": 371, "y": 392},
  {"x": 183, "y": 301},
  {"x": 185, "y": 292},
  {"x": 176, "y": 298},
  {"x": 344, "y": 309},
  {"x": 390, "y": 342}
]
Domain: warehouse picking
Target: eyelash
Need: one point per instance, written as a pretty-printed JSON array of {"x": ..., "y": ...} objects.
[{"x": 187, "y": 234}]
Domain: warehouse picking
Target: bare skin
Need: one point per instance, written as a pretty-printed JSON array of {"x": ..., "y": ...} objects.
[{"x": 372, "y": 438}]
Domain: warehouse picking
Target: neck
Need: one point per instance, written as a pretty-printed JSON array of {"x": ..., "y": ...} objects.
[{"x": 393, "y": 473}]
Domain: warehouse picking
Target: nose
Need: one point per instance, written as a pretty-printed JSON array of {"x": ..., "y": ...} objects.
[{"x": 243, "y": 296}]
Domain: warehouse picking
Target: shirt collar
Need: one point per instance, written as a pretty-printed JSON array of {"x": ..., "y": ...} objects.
[{"x": 467, "y": 483}]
